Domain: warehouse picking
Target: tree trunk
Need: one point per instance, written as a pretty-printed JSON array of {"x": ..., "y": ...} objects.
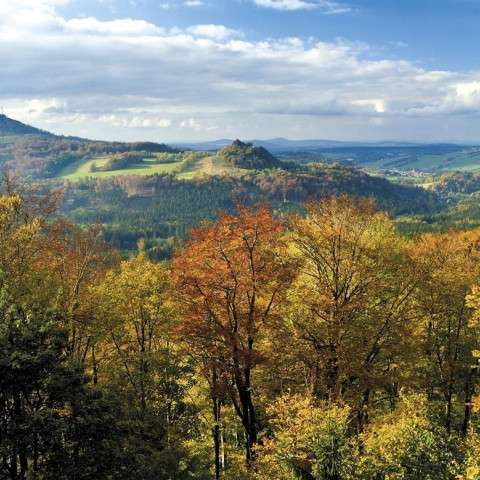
[
  {"x": 362, "y": 415},
  {"x": 448, "y": 420},
  {"x": 469, "y": 391},
  {"x": 94, "y": 366},
  {"x": 216, "y": 431},
  {"x": 250, "y": 423},
  {"x": 331, "y": 374},
  {"x": 216, "y": 437}
]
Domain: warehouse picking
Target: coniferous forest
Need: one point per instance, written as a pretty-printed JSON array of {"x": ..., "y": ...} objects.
[{"x": 316, "y": 345}]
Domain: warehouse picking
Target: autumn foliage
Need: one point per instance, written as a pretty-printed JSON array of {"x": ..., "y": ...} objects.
[
  {"x": 320, "y": 346},
  {"x": 229, "y": 282}
]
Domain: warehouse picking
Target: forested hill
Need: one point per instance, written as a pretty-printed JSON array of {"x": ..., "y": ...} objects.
[
  {"x": 162, "y": 208},
  {"x": 151, "y": 191},
  {"x": 245, "y": 155},
  {"x": 32, "y": 152},
  {"x": 11, "y": 127}
]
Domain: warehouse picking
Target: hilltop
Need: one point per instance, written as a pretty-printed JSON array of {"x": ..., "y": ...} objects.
[
  {"x": 382, "y": 156},
  {"x": 246, "y": 155},
  {"x": 10, "y": 127}
]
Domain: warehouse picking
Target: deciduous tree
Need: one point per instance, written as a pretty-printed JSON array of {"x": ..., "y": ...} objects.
[{"x": 229, "y": 281}]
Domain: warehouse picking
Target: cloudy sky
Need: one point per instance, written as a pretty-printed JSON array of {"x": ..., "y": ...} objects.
[{"x": 171, "y": 70}]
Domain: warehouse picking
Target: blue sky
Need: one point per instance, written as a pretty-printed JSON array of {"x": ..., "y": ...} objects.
[
  {"x": 201, "y": 69},
  {"x": 442, "y": 34}
]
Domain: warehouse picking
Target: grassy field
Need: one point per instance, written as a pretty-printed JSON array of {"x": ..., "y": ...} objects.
[
  {"x": 83, "y": 169},
  {"x": 208, "y": 165},
  {"x": 462, "y": 160}
]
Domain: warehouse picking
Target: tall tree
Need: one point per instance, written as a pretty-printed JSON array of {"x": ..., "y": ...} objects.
[
  {"x": 350, "y": 303},
  {"x": 78, "y": 258},
  {"x": 450, "y": 266},
  {"x": 51, "y": 424},
  {"x": 140, "y": 361},
  {"x": 229, "y": 281}
]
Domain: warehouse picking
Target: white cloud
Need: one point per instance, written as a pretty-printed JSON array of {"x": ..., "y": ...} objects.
[
  {"x": 114, "y": 27},
  {"x": 192, "y": 124},
  {"x": 110, "y": 79},
  {"x": 135, "y": 122},
  {"x": 327, "y": 6},
  {"x": 37, "y": 107},
  {"x": 218, "y": 32}
]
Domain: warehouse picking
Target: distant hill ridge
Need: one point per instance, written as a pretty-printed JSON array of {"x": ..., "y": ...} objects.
[
  {"x": 41, "y": 154},
  {"x": 11, "y": 127}
]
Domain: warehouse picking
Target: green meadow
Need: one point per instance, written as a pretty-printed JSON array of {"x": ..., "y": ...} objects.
[
  {"x": 83, "y": 169},
  {"x": 203, "y": 165}
]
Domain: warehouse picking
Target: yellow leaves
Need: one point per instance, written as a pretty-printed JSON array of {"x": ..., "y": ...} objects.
[
  {"x": 408, "y": 443},
  {"x": 351, "y": 295},
  {"x": 452, "y": 260},
  {"x": 476, "y": 404},
  {"x": 134, "y": 319},
  {"x": 137, "y": 289},
  {"x": 471, "y": 473},
  {"x": 12, "y": 228},
  {"x": 306, "y": 437},
  {"x": 472, "y": 458},
  {"x": 473, "y": 301},
  {"x": 20, "y": 244}
]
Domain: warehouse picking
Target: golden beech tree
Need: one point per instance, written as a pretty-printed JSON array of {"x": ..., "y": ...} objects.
[
  {"x": 78, "y": 258},
  {"x": 350, "y": 303},
  {"x": 19, "y": 240},
  {"x": 53, "y": 261},
  {"x": 472, "y": 402},
  {"x": 229, "y": 281},
  {"x": 137, "y": 325},
  {"x": 309, "y": 440},
  {"x": 23, "y": 245},
  {"x": 450, "y": 266},
  {"x": 406, "y": 444}
]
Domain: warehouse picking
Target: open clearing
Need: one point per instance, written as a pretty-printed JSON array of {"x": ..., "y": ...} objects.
[
  {"x": 208, "y": 165},
  {"x": 460, "y": 161},
  {"x": 83, "y": 169}
]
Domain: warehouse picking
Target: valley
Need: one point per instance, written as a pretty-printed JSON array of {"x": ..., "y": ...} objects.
[{"x": 157, "y": 192}]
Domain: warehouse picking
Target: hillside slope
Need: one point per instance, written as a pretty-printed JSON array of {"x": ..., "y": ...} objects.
[
  {"x": 160, "y": 207},
  {"x": 30, "y": 151},
  {"x": 10, "y": 127}
]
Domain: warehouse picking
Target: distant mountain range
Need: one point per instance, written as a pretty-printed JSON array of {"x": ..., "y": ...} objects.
[
  {"x": 285, "y": 145},
  {"x": 11, "y": 127}
]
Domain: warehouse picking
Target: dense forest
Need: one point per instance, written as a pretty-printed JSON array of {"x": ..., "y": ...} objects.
[
  {"x": 317, "y": 344},
  {"x": 160, "y": 208},
  {"x": 44, "y": 156}
]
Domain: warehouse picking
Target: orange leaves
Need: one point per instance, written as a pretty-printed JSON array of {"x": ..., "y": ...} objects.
[
  {"x": 229, "y": 282},
  {"x": 230, "y": 278},
  {"x": 452, "y": 257}
]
